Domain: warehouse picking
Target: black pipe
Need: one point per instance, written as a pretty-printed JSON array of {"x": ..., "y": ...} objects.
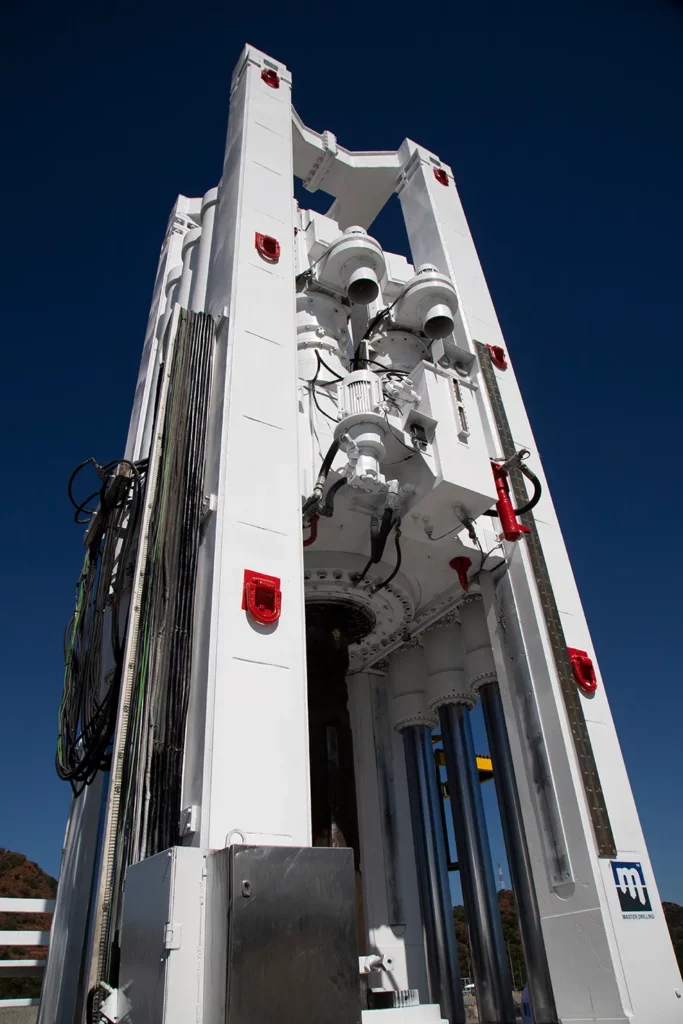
[
  {"x": 432, "y": 873},
  {"x": 519, "y": 862},
  {"x": 489, "y": 958}
]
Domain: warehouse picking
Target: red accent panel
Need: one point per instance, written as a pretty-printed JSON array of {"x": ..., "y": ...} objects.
[
  {"x": 583, "y": 670},
  {"x": 267, "y": 246},
  {"x": 498, "y": 357},
  {"x": 441, "y": 176},
  {"x": 262, "y": 597},
  {"x": 461, "y": 564},
  {"x": 512, "y": 530},
  {"x": 271, "y": 78}
]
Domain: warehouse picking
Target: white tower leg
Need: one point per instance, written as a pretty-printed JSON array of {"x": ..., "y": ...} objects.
[
  {"x": 246, "y": 768},
  {"x": 593, "y": 949}
]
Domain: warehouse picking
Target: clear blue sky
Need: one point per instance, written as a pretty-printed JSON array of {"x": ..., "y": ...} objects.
[{"x": 562, "y": 123}]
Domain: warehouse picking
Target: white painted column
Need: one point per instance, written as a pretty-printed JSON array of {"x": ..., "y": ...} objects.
[
  {"x": 200, "y": 275},
  {"x": 170, "y": 258},
  {"x": 190, "y": 243},
  {"x": 246, "y": 767},
  {"x": 391, "y": 905}
]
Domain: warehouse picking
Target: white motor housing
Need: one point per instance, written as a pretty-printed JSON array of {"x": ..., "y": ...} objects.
[
  {"x": 361, "y": 428},
  {"x": 353, "y": 265},
  {"x": 428, "y": 303}
]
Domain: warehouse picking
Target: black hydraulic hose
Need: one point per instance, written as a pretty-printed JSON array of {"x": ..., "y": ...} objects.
[
  {"x": 368, "y": 334},
  {"x": 328, "y": 508},
  {"x": 379, "y": 532},
  {"x": 397, "y": 541},
  {"x": 313, "y": 500},
  {"x": 533, "y": 500},
  {"x": 536, "y": 496}
]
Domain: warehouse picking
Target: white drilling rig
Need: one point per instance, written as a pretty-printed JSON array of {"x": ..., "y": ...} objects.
[{"x": 329, "y": 538}]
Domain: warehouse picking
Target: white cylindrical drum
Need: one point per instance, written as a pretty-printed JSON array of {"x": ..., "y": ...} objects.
[
  {"x": 171, "y": 290},
  {"x": 407, "y": 672},
  {"x": 445, "y": 659},
  {"x": 190, "y": 243},
  {"x": 479, "y": 661}
]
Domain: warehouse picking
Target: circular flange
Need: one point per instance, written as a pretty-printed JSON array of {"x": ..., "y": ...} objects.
[{"x": 374, "y": 621}]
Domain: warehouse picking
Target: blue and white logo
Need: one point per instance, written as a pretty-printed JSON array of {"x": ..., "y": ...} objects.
[{"x": 631, "y": 889}]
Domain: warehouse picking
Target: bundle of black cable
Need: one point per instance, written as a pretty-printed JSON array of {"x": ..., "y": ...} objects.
[
  {"x": 153, "y": 758},
  {"x": 93, "y": 640}
]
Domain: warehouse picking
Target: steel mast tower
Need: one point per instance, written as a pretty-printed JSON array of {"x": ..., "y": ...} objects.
[{"x": 330, "y": 537}]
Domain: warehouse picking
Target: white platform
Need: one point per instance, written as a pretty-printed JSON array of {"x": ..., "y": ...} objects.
[{"x": 428, "y": 1014}]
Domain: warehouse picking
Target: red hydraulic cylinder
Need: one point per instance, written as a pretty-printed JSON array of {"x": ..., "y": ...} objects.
[{"x": 512, "y": 530}]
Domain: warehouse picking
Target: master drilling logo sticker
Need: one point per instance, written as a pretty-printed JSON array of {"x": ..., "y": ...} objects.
[{"x": 631, "y": 889}]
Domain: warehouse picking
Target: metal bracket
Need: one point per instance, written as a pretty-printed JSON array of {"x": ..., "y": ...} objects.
[
  {"x": 114, "y": 1007},
  {"x": 188, "y": 820},
  {"x": 209, "y": 505},
  {"x": 323, "y": 163},
  {"x": 173, "y": 935}
]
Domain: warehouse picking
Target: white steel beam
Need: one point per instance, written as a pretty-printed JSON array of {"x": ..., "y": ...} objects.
[
  {"x": 10, "y": 938},
  {"x": 360, "y": 182},
  {"x": 16, "y": 905}
]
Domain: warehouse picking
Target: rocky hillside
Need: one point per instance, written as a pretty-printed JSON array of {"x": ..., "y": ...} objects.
[{"x": 22, "y": 878}]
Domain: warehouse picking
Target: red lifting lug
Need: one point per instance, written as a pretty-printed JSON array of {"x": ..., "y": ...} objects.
[
  {"x": 268, "y": 247},
  {"x": 441, "y": 176},
  {"x": 271, "y": 78},
  {"x": 498, "y": 357},
  {"x": 262, "y": 597},
  {"x": 512, "y": 530},
  {"x": 461, "y": 564},
  {"x": 584, "y": 673}
]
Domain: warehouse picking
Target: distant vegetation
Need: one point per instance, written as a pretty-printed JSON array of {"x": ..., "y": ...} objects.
[
  {"x": 674, "y": 918},
  {"x": 508, "y": 913},
  {"x": 22, "y": 878}
]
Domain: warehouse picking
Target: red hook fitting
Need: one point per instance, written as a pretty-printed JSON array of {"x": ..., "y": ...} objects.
[
  {"x": 584, "y": 672},
  {"x": 441, "y": 176},
  {"x": 512, "y": 530},
  {"x": 262, "y": 597},
  {"x": 268, "y": 247},
  {"x": 498, "y": 356},
  {"x": 461, "y": 564},
  {"x": 271, "y": 78}
]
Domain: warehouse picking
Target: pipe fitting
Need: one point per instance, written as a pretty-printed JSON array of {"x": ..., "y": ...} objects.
[
  {"x": 353, "y": 266},
  {"x": 407, "y": 672},
  {"x": 447, "y": 681},
  {"x": 428, "y": 303}
]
